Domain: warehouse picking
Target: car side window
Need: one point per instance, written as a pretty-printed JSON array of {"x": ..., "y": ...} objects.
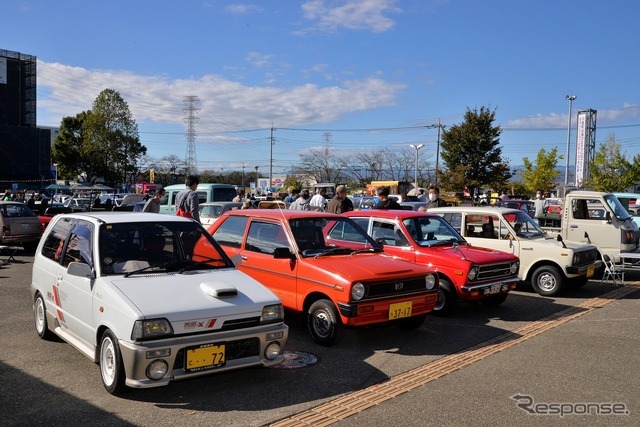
[
  {"x": 455, "y": 220},
  {"x": 231, "y": 232},
  {"x": 80, "y": 248},
  {"x": 382, "y": 232},
  {"x": 265, "y": 237},
  {"x": 54, "y": 243},
  {"x": 346, "y": 232}
]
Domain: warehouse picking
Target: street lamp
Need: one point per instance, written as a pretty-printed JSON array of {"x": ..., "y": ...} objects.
[
  {"x": 417, "y": 148},
  {"x": 569, "y": 98},
  {"x": 257, "y": 177}
]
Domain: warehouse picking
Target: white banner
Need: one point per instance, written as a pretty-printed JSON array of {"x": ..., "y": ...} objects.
[{"x": 581, "y": 147}]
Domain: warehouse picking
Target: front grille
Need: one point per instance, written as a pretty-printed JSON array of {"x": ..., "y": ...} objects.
[
  {"x": 585, "y": 257},
  {"x": 493, "y": 272},
  {"x": 233, "y": 350},
  {"x": 248, "y": 322},
  {"x": 394, "y": 288}
]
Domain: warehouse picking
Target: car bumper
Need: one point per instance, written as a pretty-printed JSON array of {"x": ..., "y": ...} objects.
[
  {"x": 584, "y": 269},
  {"x": 378, "y": 311},
  {"x": 482, "y": 290},
  {"x": 242, "y": 350}
]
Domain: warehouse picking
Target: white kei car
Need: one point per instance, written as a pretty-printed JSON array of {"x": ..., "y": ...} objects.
[{"x": 152, "y": 298}]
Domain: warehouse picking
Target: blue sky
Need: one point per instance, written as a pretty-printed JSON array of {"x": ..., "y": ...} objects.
[{"x": 348, "y": 68}]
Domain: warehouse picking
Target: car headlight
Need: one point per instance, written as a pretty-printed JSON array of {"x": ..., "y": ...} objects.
[
  {"x": 357, "y": 291},
  {"x": 473, "y": 274},
  {"x": 272, "y": 313},
  {"x": 430, "y": 281},
  {"x": 514, "y": 268},
  {"x": 150, "y": 329},
  {"x": 157, "y": 369}
]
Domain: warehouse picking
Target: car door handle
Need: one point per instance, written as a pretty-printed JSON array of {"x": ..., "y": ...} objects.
[
  {"x": 244, "y": 257},
  {"x": 573, "y": 226}
]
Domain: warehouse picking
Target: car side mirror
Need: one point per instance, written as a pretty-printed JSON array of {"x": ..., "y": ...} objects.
[
  {"x": 283, "y": 253},
  {"x": 80, "y": 269},
  {"x": 607, "y": 216}
]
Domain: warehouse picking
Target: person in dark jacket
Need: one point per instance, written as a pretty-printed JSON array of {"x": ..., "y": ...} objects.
[
  {"x": 434, "y": 198},
  {"x": 385, "y": 202},
  {"x": 340, "y": 202}
]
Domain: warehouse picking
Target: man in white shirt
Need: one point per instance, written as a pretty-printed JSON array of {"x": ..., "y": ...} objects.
[{"x": 319, "y": 201}]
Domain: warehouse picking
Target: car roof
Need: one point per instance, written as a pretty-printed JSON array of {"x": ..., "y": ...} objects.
[
  {"x": 281, "y": 213},
  {"x": 385, "y": 213},
  {"x": 220, "y": 203},
  {"x": 475, "y": 210},
  {"x": 110, "y": 217}
]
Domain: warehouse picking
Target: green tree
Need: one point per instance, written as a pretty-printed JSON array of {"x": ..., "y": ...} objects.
[
  {"x": 541, "y": 174},
  {"x": 609, "y": 170},
  {"x": 111, "y": 138},
  {"x": 472, "y": 154},
  {"x": 67, "y": 147}
]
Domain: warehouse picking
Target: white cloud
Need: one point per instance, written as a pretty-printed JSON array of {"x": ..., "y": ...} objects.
[
  {"x": 241, "y": 9},
  {"x": 224, "y": 104},
  {"x": 555, "y": 121},
  {"x": 330, "y": 15},
  {"x": 258, "y": 59}
]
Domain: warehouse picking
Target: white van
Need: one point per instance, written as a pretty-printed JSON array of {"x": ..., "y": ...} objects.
[{"x": 206, "y": 193}]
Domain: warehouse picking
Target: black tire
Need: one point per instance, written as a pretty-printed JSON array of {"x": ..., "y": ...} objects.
[
  {"x": 495, "y": 299},
  {"x": 447, "y": 299},
  {"x": 111, "y": 366},
  {"x": 413, "y": 322},
  {"x": 324, "y": 323},
  {"x": 547, "y": 280},
  {"x": 40, "y": 318}
]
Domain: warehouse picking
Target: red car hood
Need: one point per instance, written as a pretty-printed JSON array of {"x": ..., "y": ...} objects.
[
  {"x": 473, "y": 254},
  {"x": 364, "y": 266}
]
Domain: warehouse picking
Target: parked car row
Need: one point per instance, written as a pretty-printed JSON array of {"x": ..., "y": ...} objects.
[{"x": 154, "y": 298}]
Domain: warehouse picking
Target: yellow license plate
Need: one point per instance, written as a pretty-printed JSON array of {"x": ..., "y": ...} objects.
[
  {"x": 205, "y": 357},
  {"x": 590, "y": 270},
  {"x": 400, "y": 310}
]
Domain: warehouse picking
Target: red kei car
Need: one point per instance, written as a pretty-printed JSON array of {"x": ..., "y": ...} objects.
[
  {"x": 465, "y": 272},
  {"x": 326, "y": 267}
]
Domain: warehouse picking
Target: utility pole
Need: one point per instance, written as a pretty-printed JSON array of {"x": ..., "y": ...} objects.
[
  {"x": 440, "y": 126},
  {"x": 569, "y": 98},
  {"x": 191, "y": 163},
  {"x": 271, "y": 142}
]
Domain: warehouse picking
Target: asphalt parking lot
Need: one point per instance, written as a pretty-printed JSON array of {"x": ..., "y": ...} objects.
[{"x": 532, "y": 361}]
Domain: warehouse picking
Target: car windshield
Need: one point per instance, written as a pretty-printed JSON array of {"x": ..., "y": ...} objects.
[
  {"x": 330, "y": 236},
  {"x": 618, "y": 210},
  {"x": 131, "y": 248},
  {"x": 524, "y": 226},
  {"x": 431, "y": 231}
]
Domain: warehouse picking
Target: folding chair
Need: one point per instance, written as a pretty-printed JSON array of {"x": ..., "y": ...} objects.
[{"x": 612, "y": 271}]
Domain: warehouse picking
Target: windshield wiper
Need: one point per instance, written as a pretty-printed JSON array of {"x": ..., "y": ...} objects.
[
  {"x": 363, "y": 250},
  {"x": 333, "y": 251},
  {"x": 140, "y": 270}
]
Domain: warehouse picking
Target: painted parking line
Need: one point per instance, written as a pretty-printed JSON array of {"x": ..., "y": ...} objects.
[{"x": 358, "y": 401}]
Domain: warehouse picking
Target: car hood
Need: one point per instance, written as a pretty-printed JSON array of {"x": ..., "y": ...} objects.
[
  {"x": 196, "y": 299},
  {"x": 364, "y": 266},
  {"x": 473, "y": 254}
]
